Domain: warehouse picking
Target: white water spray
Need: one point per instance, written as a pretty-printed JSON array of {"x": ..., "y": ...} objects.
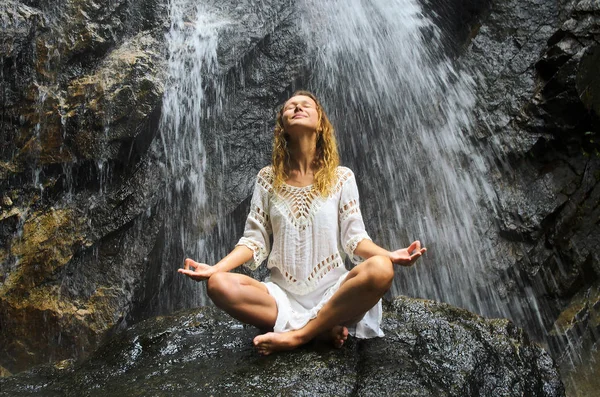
[
  {"x": 192, "y": 45},
  {"x": 403, "y": 113}
]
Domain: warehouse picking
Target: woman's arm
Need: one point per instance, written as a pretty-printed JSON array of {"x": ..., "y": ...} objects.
[
  {"x": 352, "y": 228},
  {"x": 252, "y": 249},
  {"x": 201, "y": 271},
  {"x": 237, "y": 257},
  {"x": 405, "y": 256},
  {"x": 366, "y": 249}
]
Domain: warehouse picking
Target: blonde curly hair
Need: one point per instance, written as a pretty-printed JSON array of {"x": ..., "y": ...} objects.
[{"x": 326, "y": 160}]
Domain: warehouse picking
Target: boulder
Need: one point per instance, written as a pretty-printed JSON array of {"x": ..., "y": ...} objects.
[{"x": 430, "y": 349}]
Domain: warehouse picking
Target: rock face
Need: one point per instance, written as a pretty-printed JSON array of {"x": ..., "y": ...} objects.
[
  {"x": 81, "y": 86},
  {"x": 538, "y": 111},
  {"x": 83, "y": 214},
  {"x": 430, "y": 349}
]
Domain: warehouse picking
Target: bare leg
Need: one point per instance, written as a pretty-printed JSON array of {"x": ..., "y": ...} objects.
[
  {"x": 243, "y": 298},
  {"x": 362, "y": 289}
]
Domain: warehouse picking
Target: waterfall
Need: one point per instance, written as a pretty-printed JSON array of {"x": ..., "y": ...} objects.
[
  {"x": 403, "y": 112},
  {"x": 192, "y": 61},
  {"x": 111, "y": 174},
  {"x": 403, "y": 116}
]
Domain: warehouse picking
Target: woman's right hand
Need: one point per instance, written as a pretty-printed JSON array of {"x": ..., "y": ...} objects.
[{"x": 197, "y": 271}]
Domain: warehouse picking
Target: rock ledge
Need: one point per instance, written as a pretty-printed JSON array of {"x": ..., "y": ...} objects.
[{"x": 430, "y": 349}]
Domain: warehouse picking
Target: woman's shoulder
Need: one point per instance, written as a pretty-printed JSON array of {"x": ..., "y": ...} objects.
[
  {"x": 343, "y": 173},
  {"x": 266, "y": 171},
  {"x": 341, "y": 170},
  {"x": 266, "y": 176}
]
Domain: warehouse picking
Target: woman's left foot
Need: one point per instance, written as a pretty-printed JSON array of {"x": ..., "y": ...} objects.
[{"x": 339, "y": 335}]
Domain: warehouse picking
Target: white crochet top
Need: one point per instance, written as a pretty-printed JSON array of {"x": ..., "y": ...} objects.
[{"x": 312, "y": 234}]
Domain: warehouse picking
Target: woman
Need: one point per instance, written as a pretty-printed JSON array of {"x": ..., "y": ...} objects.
[{"x": 310, "y": 206}]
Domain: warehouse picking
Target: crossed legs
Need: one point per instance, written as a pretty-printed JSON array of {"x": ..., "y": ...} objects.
[
  {"x": 243, "y": 298},
  {"x": 249, "y": 301}
]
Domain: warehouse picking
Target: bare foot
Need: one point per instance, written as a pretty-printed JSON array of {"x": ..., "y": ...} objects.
[
  {"x": 272, "y": 342},
  {"x": 338, "y": 335}
]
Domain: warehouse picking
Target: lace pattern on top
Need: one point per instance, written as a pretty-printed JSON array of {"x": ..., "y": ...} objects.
[
  {"x": 261, "y": 217},
  {"x": 299, "y": 204},
  {"x": 348, "y": 209},
  {"x": 296, "y": 210},
  {"x": 320, "y": 270},
  {"x": 351, "y": 245},
  {"x": 258, "y": 229},
  {"x": 325, "y": 266},
  {"x": 260, "y": 253}
]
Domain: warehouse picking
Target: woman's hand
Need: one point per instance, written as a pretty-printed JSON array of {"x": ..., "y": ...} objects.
[
  {"x": 200, "y": 272},
  {"x": 408, "y": 256}
]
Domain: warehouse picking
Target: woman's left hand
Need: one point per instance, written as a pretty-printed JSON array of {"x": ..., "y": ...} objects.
[{"x": 408, "y": 256}]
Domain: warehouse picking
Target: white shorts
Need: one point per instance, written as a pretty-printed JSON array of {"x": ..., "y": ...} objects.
[{"x": 294, "y": 311}]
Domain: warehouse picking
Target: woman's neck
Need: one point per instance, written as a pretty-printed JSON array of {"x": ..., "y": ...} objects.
[{"x": 303, "y": 151}]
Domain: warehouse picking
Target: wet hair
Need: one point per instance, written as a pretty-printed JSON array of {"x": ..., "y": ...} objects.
[{"x": 326, "y": 160}]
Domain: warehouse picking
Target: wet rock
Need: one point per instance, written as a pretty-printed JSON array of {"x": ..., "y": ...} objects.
[
  {"x": 578, "y": 326},
  {"x": 81, "y": 31},
  {"x": 109, "y": 107},
  {"x": 81, "y": 88},
  {"x": 538, "y": 111},
  {"x": 53, "y": 303},
  {"x": 48, "y": 241},
  {"x": 46, "y": 46},
  {"x": 4, "y": 372},
  {"x": 435, "y": 349},
  {"x": 96, "y": 116},
  {"x": 535, "y": 118},
  {"x": 579, "y": 322},
  {"x": 19, "y": 22},
  {"x": 587, "y": 81},
  {"x": 430, "y": 349}
]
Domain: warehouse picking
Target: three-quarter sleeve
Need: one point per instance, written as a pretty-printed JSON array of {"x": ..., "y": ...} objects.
[
  {"x": 352, "y": 227},
  {"x": 258, "y": 226}
]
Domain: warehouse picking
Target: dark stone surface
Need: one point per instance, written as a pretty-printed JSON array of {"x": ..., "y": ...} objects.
[
  {"x": 430, "y": 349},
  {"x": 81, "y": 86},
  {"x": 539, "y": 121}
]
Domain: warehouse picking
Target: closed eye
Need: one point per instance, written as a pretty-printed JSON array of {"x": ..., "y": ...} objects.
[{"x": 302, "y": 104}]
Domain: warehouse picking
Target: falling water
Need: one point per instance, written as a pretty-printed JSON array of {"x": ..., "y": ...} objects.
[
  {"x": 192, "y": 46},
  {"x": 403, "y": 113}
]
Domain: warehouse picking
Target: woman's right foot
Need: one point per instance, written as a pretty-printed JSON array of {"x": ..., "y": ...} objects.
[{"x": 271, "y": 342}]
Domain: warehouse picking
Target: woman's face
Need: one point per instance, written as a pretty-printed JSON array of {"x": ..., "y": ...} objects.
[{"x": 300, "y": 112}]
